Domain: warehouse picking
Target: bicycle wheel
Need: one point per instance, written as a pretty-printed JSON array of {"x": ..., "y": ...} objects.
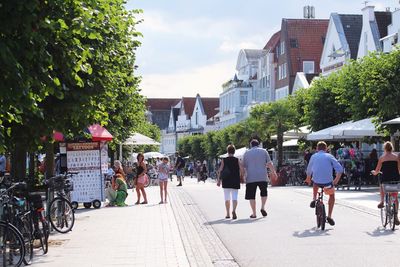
[
  {"x": 390, "y": 212},
  {"x": 317, "y": 214},
  {"x": 12, "y": 248},
  {"x": 44, "y": 235},
  {"x": 61, "y": 215},
  {"x": 393, "y": 212},
  {"x": 24, "y": 225},
  {"x": 384, "y": 217},
  {"x": 322, "y": 217}
]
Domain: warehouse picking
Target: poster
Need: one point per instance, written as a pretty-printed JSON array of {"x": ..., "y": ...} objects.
[{"x": 85, "y": 158}]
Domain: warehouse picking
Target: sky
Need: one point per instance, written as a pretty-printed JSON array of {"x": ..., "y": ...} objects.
[{"x": 191, "y": 47}]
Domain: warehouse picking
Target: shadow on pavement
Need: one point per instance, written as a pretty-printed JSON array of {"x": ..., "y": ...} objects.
[
  {"x": 380, "y": 231},
  {"x": 230, "y": 221},
  {"x": 311, "y": 233}
]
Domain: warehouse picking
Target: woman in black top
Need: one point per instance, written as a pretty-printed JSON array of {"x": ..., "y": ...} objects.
[
  {"x": 389, "y": 166},
  {"x": 232, "y": 176}
]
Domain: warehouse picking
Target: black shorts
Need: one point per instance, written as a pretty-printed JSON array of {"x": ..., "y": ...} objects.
[{"x": 251, "y": 189}]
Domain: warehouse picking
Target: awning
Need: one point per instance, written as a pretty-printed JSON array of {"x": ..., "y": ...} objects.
[
  {"x": 393, "y": 121},
  {"x": 294, "y": 133},
  {"x": 99, "y": 133},
  {"x": 292, "y": 142},
  {"x": 345, "y": 131}
]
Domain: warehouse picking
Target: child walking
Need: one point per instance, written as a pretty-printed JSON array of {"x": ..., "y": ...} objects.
[{"x": 163, "y": 171}]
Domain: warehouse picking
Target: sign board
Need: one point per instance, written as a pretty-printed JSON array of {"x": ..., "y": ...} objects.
[{"x": 86, "y": 158}]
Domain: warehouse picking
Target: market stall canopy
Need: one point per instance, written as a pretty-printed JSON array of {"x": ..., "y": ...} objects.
[
  {"x": 238, "y": 153},
  {"x": 292, "y": 142},
  {"x": 346, "y": 130},
  {"x": 294, "y": 133},
  {"x": 98, "y": 133},
  {"x": 153, "y": 155},
  {"x": 140, "y": 139},
  {"x": 393, "y": 121}
]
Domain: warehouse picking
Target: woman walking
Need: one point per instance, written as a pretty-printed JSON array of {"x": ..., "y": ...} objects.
[
  {"x": 230, "y": 173},
  {"x": 141, "y": 179},
  {"x": 163, "y": 171}
]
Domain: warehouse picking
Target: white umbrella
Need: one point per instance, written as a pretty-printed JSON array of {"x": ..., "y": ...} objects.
[
  {"x": 149, "y": 155},
  {"x": 346, "y": 130},
  {"x": 393, "y": 121},
  {"x": 238, "y": 153},
  {"x": 140, "y": 139}
]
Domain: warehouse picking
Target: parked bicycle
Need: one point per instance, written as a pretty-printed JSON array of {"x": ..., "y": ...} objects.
[{"x": 61, "y": 212}]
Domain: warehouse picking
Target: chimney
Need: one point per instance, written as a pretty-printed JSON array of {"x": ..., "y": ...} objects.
[
  {"x": 368, "y": 13},
  {"x": 309, "y": 12}
]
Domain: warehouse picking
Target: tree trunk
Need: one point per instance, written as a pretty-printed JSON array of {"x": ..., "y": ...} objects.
[
  {"x": 280, "y": 146},
  {"x": 49, "y": 172},
  {"x": 31, "y": 175},
  {"x": 18, "y": 162}
]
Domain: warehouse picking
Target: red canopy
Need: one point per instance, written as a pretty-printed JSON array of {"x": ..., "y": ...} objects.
[{"x": 98, "y": 133}]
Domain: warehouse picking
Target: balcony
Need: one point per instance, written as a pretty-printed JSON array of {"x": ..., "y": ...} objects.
[{"x": 235, "y": 84}]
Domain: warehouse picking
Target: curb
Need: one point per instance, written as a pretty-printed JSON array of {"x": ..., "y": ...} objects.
[{"x": 202, "y": 245}]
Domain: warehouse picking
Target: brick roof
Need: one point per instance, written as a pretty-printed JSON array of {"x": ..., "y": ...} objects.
[
  {"x": 310, "y": 34},
  {"x": 273, "y": 41},
  {"x": 383, "y": 19},
  {"x": 352, "y": 26},
  {"x": 188, "y": 104},
  {"x": 210, "y": 106},
  {"x": 161, "y": 103}
]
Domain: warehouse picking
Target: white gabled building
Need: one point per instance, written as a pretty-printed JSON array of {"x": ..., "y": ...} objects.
[
  {"x": 374, "y": 27},
  {"x": 392, "y": 38},
  {"x": 341, "y": 42}
]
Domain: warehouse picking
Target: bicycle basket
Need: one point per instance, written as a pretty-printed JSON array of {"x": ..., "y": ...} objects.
[
  {"x": 69, "y": 185},
  {"x": 391, "y": 187},
  {"x": 56, "y": 183}
]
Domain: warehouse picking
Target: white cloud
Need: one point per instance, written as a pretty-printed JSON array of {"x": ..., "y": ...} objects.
[{"x": 205, "y": 80}]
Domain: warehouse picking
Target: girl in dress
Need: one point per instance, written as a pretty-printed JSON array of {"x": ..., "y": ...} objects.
[{"x": 163, "y": 171}]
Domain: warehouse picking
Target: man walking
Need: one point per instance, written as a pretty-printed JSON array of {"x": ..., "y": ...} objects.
[
  {"x": 255, "y": 161},
  {"x": 179, "y": 167},
  {"x": 321, "y": 167},
  {"x": 3, "y": 163}
]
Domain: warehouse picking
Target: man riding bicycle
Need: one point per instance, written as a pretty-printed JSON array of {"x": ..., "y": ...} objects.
[{"x": 320, "y": 167}]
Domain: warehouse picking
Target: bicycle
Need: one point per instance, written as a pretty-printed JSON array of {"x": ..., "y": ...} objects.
[
  {"x": 61, "y": 212},
  {"x": 389, "y": 211},
  {"x": 12, "y": 245},
  {"x": 320, "y": 212}
]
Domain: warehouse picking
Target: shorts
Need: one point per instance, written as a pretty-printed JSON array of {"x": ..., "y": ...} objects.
[
  {"x": 251, "y": 189},
  {"x": 230, "y": 194},
  {"x": 179, "y": 173},
  {"x": 163, "y": 179},
  {"x": 329, "y": 189}
]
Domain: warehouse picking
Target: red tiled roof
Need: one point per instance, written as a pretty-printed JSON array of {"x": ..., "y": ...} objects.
[
  {"x": 188, "y": 104},
  {"x": 161, "y": 103},
  {"x": 310, "y": 34},
  {"x": 273, "y": 41},
  {"x": 210, "y": 105}
]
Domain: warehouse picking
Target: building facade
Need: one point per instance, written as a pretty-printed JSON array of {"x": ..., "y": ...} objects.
[{"x": 391, "y": 40}]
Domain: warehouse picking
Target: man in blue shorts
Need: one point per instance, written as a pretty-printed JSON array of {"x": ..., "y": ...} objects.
[{"x": 321, "y": 168}]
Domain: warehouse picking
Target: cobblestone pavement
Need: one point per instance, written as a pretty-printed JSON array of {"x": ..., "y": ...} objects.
[{"x": 173, "y": 234}]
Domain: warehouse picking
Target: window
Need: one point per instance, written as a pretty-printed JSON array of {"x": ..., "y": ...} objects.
[
  {"x": 243, "y": 98},
  {"x": 279, "y": 72},
  {"x": 365, "y": 43},
  {"x": 308, "y": 67},
  {"x": 294, "y": 43},
  {"x": 282, "y": 71},
  {"x": 282, "y": 49}
]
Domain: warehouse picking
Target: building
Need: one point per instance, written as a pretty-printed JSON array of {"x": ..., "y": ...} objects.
[
  {"x": 300, "y": 46},
  {"x": 342, "y": 41},
  {"x": 374, "y": 28},
  {"x": 159, "y": 109},
  {"x": 391, "y": 40},
  {"x": 240, "y": 91},
  {"x": 189, "y": 116}
]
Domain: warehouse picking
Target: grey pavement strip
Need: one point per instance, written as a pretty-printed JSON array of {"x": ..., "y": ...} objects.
[{"x": 202, "y": 245}]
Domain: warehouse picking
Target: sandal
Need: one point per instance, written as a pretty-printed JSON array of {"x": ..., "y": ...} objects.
[
  {"x": 137, "y": 203},
  {"x": 253, "y": 216},
  {"x": 234, "y": 217},
  {"x": 264, "y": 213},
  {"x": 227, "y": 217},
  {"x": 380, "y": 205},
  {"x": 144, "y": 202}
]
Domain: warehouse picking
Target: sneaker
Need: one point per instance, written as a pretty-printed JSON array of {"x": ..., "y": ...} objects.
[
  {"x": 380, "y": 205},
  {"x": 330, "y": 221},
  {"x": 312, "y": 204}
]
